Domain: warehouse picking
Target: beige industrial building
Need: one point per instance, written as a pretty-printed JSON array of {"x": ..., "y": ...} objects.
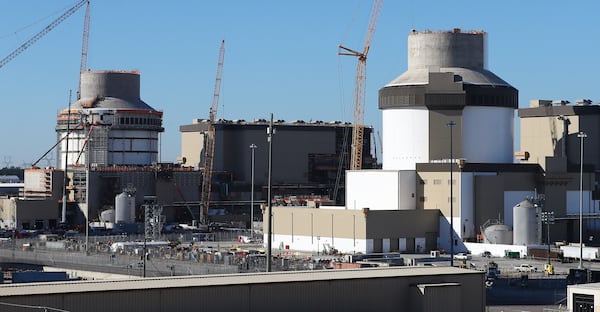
[
  {"x": 308, "y": 158},
  {"x": 354, "y": 231},
  {"x": 549, "y": 137}
]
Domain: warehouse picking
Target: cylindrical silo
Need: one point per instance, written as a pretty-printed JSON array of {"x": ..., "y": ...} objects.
[
  {"x": 447, "y": 80},
  {"x": 124, "y": 208},
  {"x": 525, "y": 224}
]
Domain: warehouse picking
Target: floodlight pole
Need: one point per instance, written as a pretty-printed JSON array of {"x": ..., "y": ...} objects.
[
  {"x": 581, "y": 136},
  {"x": 451, "y": 125}
]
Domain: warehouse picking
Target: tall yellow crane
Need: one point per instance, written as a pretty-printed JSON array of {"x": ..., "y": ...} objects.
[
  {"x": 209, "y": 140},
  {"x": 359, "y": 88}
]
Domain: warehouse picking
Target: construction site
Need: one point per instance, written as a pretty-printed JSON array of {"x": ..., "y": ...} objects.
[
  {"x": 108, "y": 176},
  {"x": 449, "y": 181},
  {"x": 107, "y": 166}
]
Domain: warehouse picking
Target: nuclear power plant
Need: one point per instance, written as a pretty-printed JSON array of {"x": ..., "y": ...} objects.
[
  {"x": 448, "y": 132},
  {"x": 448, "y": 135}
]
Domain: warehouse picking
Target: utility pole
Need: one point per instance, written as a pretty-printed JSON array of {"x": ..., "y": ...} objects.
[{"x": 270, "y": 133}]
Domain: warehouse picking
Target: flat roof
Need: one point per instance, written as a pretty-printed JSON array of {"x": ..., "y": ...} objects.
[
  {"x": 224, "y": 279},
  {"x": 479, "y": 167},
  {"x": 557, "y": 110}
]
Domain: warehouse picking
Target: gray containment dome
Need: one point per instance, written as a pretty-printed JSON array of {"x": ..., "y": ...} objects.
[
  {"x": 457, "y": 52},
  {"x": 112, "y": 89},
  {"x": 119, "y": 84}
]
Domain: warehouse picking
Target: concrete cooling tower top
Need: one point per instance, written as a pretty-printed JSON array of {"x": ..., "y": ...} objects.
[
  {"x": 462, "y": 53},
  {"x": 111, "y": 89}
]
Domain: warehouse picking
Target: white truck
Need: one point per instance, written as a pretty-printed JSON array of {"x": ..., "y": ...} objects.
[
  {"x": 525, "y": 267},
  {"x": 573, "y": 252}
]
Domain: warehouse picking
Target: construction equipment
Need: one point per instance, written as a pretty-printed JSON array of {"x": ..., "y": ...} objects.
[
  {"x": 359, "y": 88},
  {"x": 84, "y": 46},
  {"x": 42, "y": 33},
  {"x": 209, "y": 141}
]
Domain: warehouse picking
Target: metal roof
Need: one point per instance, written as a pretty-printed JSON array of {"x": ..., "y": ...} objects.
[{"x": 229, "y": 279}]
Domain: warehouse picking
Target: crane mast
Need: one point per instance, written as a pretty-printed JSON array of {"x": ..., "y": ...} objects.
[
  {"x": 42, "y": 33},
  {"x": 84, "y": 46},
  {"x": 359, "y": 89},
  {"x": 209, "y": 140}
]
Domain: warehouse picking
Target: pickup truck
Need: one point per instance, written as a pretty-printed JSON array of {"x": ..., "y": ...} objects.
[
  {"x": 525, "y": 268},
  {"x": 462, "y": 256}
]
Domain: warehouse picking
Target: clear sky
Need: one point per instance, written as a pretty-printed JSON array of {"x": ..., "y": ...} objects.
[{"x": 281, "y": 57}]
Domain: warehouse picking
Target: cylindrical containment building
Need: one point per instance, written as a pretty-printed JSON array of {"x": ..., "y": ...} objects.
[
  {"x": 525, "y": 224},
  {"x": 110, "y": 124},
  {"x": 447, "y": 80}
]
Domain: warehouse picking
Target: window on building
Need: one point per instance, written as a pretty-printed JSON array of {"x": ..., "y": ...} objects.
[{"x": 437, "y": 181}]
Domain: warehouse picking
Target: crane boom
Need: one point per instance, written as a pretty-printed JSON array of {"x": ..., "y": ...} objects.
[
  {"x": 359, "y": 88},
  {"x": 43, "y": 32},
  {"x": 209, "y": 140},
  {"x": 84, "y": 46}
]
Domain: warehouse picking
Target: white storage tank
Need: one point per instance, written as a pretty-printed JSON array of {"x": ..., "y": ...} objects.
[
  {"x": 124, "y": 208},
  {"x": 525, "y": 224},
  {"x": 108, "y": 215},
  {"x": 498, "y": 234}
]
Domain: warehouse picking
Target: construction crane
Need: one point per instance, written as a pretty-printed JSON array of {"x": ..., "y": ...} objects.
[
  {"x": 84, "y": 46},
  {"x": 209, "y": 141},
  {"x": 43, "y": 32},
  {"x": 359, "y": 88}
]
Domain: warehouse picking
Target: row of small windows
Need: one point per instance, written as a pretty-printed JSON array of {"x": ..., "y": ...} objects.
[
  {"x": 437, "y": 182},
  {"x": 139, "y": 121},
  {"x": 484, "y": 99}
]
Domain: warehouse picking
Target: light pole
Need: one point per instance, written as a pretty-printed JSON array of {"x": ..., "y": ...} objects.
[
  {"x": 252, "y": 148},
  {"x": 270, "y": 133},
  {"x": 451, "y": 125},
  {"x": 548, "y": 218},
  {"x": 581, "y": 135}
]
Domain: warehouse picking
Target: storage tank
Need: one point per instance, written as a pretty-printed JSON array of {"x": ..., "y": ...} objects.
[
  {"x": 498, "y": 234},
  {"x": 525, "y": 224},
  {"x": 124, "y": 208},
  {"x": 108, "y": 215},
  {"x": 447, "y": 80}
]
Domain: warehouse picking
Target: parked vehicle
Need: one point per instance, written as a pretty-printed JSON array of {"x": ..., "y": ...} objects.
[
  {"x": 462, "y": 256},
  {"x": 571, "y": 253},
  {"x": 525, "y": 267}
]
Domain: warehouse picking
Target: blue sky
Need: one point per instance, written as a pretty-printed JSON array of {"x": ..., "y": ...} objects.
[{"x": 281, "y": 57}]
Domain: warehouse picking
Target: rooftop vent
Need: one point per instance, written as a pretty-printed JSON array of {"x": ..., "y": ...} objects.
[{"x": 583, "y": 102}]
